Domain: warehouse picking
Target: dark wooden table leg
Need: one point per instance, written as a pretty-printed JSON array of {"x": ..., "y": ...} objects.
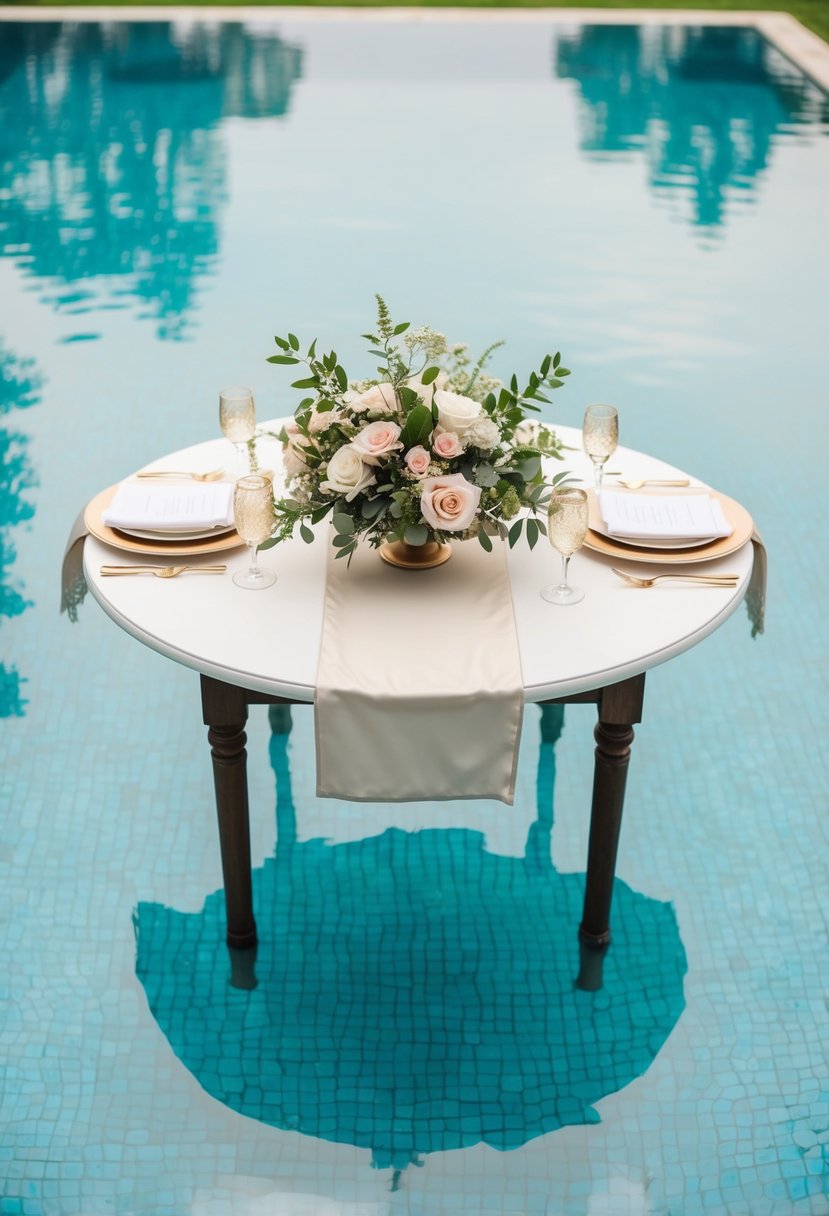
[
  {"x": 620, "y": 705},
  {"x": 225, "y": 714}
]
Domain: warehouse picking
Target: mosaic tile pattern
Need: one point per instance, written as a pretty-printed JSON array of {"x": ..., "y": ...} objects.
[
  {"x": 413, "y": 992},
  {"x": 633, "y": 246}
]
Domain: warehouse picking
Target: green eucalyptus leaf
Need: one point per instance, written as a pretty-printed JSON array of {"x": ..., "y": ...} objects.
[
  {"x": 282, "y": 359},
  {"x": 308, "y": 382},
  {"x": 429, "y": 375},
  {"x": 529, "y": 467},
  {"x": 342, "y": 522},
  {"x": 372, "y": 507},
  {"x": 515, "y": 532},
  {"x": 268, "y": 544},
  {"x": 342, "y": 378},
  {"x": 545, "y": 364},
  {"x": 306, "y": 534},
  {"x": 402, "y": 327},
  {"x": 416, "y": 534},
  {"x": 485, "y": 475},
  {"x": 294, "y": 341},
  {"x": 532, "y": 532},
  {"x": 484, "y": 540}
]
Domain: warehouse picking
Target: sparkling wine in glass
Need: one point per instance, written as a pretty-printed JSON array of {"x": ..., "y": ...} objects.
[
  {"x": 566, "y": 530},
  {"x": 237, "y": 418},
  {"x": 600, "y": 436},
  {"x": 253, "y": 516}
]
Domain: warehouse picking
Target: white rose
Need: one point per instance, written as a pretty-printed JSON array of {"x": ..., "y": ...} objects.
[
  {"x": 448, "y": 504},
  {"x": 427, "y": 391},
  {"x": 346, "y": 474},
  {"x": 379, "y": 399},
  {"x": 455, "y": 413}
]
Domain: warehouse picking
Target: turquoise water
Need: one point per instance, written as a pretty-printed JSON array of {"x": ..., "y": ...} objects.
[{"x": 417, "y": 1033}]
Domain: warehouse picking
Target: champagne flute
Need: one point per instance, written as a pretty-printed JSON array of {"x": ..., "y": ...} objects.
[
  {"x": 600, "y": 437},
  {"x": 566, "y": 530},
  {"x": 253, "y": 516},
  {"x": 237, "y": 418}
]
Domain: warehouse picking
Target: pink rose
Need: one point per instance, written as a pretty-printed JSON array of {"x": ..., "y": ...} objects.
[
  {"x": 448, "y": 504},
  {"x": 447, "y": 445},
  {"x": 418, "y": 461},
  {"x": 376, "y": 440},
  {"x": 294, "y": 449},
  {"x": 378, "y": 399}
]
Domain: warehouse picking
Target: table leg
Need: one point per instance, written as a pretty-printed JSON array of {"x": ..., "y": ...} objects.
[
  {"x": 225, "y": 714},
  {"x": 620, "y": 705}
]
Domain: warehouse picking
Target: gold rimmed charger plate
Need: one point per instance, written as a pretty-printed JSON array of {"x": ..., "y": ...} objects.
[
  {"x": 93, "y": 519},
  {"x": 737, "y": 516}
]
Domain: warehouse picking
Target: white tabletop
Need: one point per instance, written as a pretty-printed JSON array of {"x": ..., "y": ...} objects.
[{"x": 269, "y": 640}]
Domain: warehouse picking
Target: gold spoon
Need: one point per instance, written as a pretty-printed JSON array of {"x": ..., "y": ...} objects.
[
  {"x": 652, "y": 481},
  {"x": 160, "y": 571},
  {"x": 706, "y": 580},
  {"x": 212, "y": 475}
]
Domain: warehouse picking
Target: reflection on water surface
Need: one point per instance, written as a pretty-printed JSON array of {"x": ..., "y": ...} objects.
[
  {"x": 115, "y": 166},
  {"x": 703, "y": 106}
]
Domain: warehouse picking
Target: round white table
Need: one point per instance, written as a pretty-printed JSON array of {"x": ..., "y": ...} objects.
[{"x": 262, "y": 647}]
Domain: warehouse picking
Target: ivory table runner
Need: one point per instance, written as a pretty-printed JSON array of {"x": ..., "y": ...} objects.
[{"x": 420, "y": 694}]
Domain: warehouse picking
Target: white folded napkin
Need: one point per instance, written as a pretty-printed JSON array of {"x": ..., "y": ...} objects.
[
  {"x": 677, "y": 517},
  {"x": 161, "y": 508}
]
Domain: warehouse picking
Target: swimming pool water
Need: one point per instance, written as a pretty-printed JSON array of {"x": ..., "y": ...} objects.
[{"x": 410, "y": 1037}]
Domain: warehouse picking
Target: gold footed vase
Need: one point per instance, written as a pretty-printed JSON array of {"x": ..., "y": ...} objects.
[{"x": 415, "y": 557}]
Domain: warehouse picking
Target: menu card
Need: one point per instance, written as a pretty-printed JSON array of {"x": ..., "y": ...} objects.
[
  {"x": 161, "y": 507},
  {"x": 663, "y": 517}
]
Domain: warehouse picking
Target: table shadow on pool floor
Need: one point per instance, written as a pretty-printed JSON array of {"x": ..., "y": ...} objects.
[{"x": 413, "y": 992}]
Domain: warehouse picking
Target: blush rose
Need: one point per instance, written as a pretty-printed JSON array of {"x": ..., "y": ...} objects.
[
  {"x": 448, "y": 504},
  {"x": 418, "y": 461},
  {"x": 376, "y": 440},
  {"x": 447, "y": 445},
  {"x": 379, "y": 399}
]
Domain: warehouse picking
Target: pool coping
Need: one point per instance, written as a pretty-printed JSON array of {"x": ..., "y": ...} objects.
[{"x": 805, "y": 49}]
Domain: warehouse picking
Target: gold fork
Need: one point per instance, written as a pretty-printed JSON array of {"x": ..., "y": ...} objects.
[
  {"x": 705, "y": 580},
  {"x": 210, "y": 475},
  {"x": 161, "y": 571}
]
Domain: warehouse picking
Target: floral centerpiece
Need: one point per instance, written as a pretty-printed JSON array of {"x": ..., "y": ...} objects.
[{"x": 431, "y": 450}]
